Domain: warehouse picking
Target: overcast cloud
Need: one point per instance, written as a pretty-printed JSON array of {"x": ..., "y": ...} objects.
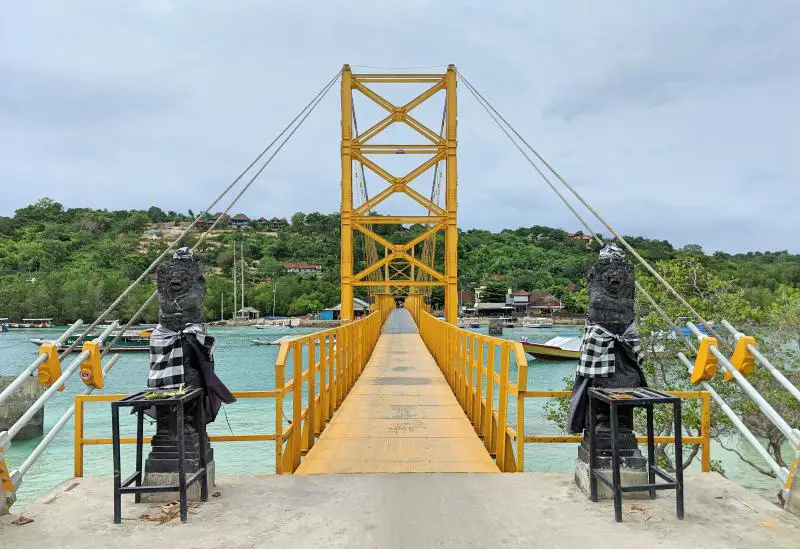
[{"x": 680, "y": 120}]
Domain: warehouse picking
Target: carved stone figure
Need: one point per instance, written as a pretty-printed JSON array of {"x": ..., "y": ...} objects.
[
  {"x": 181, "y": 290},
  {"x": 609, "y": 323},
  {"x": 611, "y": 290},
  {"x": 181, "y": 287}
]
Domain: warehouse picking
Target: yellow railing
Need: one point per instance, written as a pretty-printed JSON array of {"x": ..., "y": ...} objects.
[
  {"x": 384, "y": 304},
  {"x": 81, "y": 440},
  {"x": 415, "y": 305},
  {"x": 704, "y": 438},
  {"x": 476, "y": 366},
  {"x": 326, "y": 364},
  {"x": 470, "y": 362}
]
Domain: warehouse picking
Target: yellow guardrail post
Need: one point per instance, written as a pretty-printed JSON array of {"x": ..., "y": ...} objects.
[
  {"x": 280, "y": 390},
  {"x": 502, "y": 409},
  {"x": 297, "y": 404},
  {"x": 312, "y": 393},
  {"x": 704, "y": 438},
  {"x": 476, "y": 404},
  {"x": 522, "y": 385},
  {"x": 78, "y": 442},
  {"x": 489, "y": 414},
  {"x": 705, "y": 431}
]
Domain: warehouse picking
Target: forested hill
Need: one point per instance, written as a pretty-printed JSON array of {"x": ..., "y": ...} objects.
[{"x": 71, "y": 263}]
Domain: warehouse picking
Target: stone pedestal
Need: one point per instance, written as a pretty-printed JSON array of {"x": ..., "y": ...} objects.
[
  {"x": 633, "y": 466},
  {"x": 495, "y": 327},
  {"x": 158, "y": 479},
  {"x": 22, "y": 399},
  {"x": 161, "y": 465},
  {"x": 792, "y": 503},
  {"x": 627, "y": 476}
]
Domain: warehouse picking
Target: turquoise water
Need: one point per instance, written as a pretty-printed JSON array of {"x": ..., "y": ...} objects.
[{"x": 245, "y": 366}]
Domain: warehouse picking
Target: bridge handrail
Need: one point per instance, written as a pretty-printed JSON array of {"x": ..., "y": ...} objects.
[
  {"x": 334, "y": 360},
  {"x": 468, "y": 361},
  {"x": 465, "y": 360},
  {"x": 703, "y": 439},
  {"x": 41, "y": 359},
  {"x": 338, "y": 358},
  {"x": 81, "y": 440}
]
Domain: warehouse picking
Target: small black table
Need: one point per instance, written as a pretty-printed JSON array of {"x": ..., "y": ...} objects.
[
  {"x": 642, "y": 398},
  {"x": 175, "y": 405}
]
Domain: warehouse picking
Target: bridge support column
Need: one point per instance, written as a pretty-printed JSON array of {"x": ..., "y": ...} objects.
[
  {"x": 346, "y": 272},
  {"x": 451, "y": 204}
]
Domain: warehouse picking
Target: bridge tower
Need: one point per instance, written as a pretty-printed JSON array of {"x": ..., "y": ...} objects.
[{"x": 402, "y": 270}]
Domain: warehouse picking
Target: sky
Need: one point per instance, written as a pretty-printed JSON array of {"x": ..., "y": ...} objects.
[{"x": 677, "y": 120}]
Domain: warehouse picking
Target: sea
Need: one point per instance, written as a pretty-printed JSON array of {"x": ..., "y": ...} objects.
[{"x": 243, "y": 365}]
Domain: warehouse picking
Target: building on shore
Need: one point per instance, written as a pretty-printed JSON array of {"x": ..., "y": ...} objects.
[
  {"x": 240, "y": 220},
  {"x": 360, "y": 308},
  {"x": 247, "y": 313},
  {"x": 299, "y": 267}
]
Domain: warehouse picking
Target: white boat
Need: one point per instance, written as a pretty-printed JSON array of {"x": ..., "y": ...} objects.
[
  {"x": 278, "y": 341},
  {"x": 275, "y": 324},
  {"x": 557, "y": 348},
  {"x": 538, "y": 322}
]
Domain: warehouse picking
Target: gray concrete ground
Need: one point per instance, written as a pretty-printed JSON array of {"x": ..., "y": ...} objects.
[{"x": 407, "y": 510}]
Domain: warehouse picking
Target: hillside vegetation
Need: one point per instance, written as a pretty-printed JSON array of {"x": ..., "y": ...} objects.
[{"x": 71, "y": 263}]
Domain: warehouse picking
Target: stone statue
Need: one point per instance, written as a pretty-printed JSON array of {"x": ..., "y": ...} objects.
[
  {"x": 609, "y": 324},
  {"x": 181, "y": 353},
  {"x": 181, "y": 291}
]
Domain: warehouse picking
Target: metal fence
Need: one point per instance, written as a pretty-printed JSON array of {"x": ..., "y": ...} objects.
[
  {"x": 479, "y": 369},
  {"x": 323, "y": 367}
]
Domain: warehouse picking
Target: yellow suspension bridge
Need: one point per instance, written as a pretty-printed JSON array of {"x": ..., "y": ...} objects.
[{"x": 401, "y": 391}]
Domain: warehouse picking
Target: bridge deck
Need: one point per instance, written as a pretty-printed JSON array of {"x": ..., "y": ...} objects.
[{"x": 400, "y": 416}]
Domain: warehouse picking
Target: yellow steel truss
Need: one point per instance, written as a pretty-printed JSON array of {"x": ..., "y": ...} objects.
[{"x": 402, "y": 269}]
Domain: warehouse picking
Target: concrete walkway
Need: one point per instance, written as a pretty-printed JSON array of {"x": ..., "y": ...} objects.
[
  {"x": 401, "y": 511},
  {"x": 400, "y": 417}
]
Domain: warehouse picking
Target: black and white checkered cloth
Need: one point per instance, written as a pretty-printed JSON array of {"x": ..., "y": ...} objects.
[
  {"x": 597, "y": 350},
  {"x": 166, "y": 354}
]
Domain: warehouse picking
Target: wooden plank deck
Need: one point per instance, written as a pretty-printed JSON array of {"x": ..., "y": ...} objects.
[{"x": 400, "y": 416}]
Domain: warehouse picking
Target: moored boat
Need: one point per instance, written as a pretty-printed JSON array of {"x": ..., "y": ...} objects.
[
  {"x": 30, "y": 323},
  {"x": 133, "y": 339},
  {"x": 557, "y": 348},
  {"x": 538, "y": 322}
]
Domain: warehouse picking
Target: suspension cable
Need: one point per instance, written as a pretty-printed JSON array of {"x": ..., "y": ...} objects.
[
  {"x": 18, "y": 474},
  {"x": 572, "y": 209},
  {"x": 186, "y": 231},
  {"x": 763, "y": 404},
  {"x": 588, "y": 206},
  {"x": 308, "y": 110}
]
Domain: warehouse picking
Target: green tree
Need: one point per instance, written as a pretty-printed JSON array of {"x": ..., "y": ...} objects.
[
  {"x": 494, "y": 291},
  {"x": 270, "y": 267}
]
